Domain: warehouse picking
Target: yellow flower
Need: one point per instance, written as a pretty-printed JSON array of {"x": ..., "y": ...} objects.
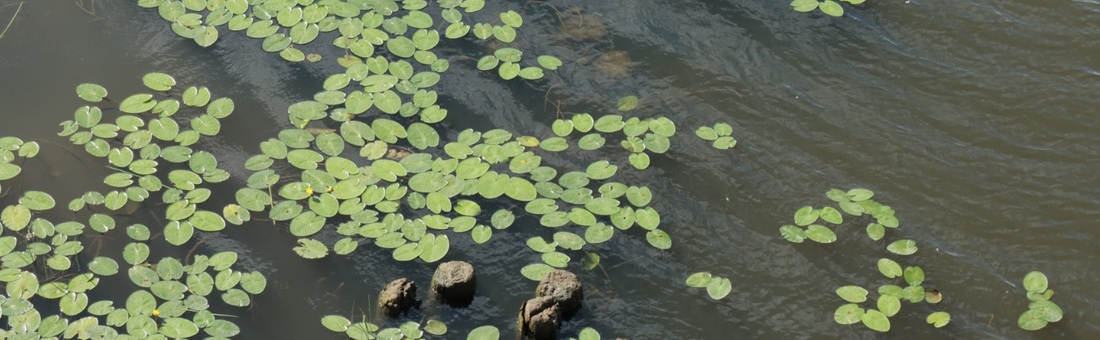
[
  {"x": 156, "y": 313},
  {"x": 309, "y": 191},
  {"x": 328, "y": 189}
]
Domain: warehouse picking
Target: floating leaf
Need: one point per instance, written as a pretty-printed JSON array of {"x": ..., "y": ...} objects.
[
  {"x": 833, "y": 8},
  {"x": 539, "y": 244},
  {"x": 792, "y": 233},
  {"x": 37, "y": 200},
  {"x": 484, "y": 333},
  {"x": 848, "y": 314},
  {"x": 1035, "y": 282},
  {"x": 875, "y": 320},
  {"x": 938, "y": 319},
  {"x": 903, "y": 247},
  {"x": 536, "y": 271},
  {"x": 549, "y": 62},
  {"x": 854, "y": 294},
  {"x": 1050, "y": 311},
  {"x": 91, "y": 92},
  {"x": 831, "y": 215},
  {"x": 805, "y": 216},
  {"x": 724, "y": 143},
  {"x": 658, "y": 239},
  {"x": 335, "y": 323},
  {"x": 310, "y": 249},
  {"x": 914, "y": 275},
  {"x": 888, "y": 305},
  {"x": 820, "y": 234},
  {"x": 859, "y": 194},
  {"x": 158, "y": 81},
  {"x": 875, "y": 231},
  {"x": 555, "y": 259},
  {"x": 706, "y": 132},
  {"x": 137, "y": 103},
  {"x": 719, "y": 288},
  {"x": 698, "y": 280},
  {"x": 889, "y": 268}
]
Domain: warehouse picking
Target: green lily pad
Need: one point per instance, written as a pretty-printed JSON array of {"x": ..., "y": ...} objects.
[
  {"x": 598, "y": 233},
  {"x": 875, "y": 320},
  {"x": 914, "y": 275},
  {"x": 719, "y": 288},
  {"x": 805, "y": 216},
  {"x": 659, "y": 239},
  {"x": 848, "y": 314},
  {"x": 792, "y": 233},
  {"x": 938, "y": 319},
  {"x": 91, "y": 92},
  {"x": 889, "y": 268},
  {"x": 1032, "y": 320},
  {"x": 903, "y": 247},
  {"x": 854, "y": 294},
  {"x": 1035, "y": 282},
  {"x": 820, "y": 234},
  {"x": 699, "y": 280},
  {"x": 888, "y": 305},
  {"x": 536, "y": 271},
  {"x": 875, "y": 231}
]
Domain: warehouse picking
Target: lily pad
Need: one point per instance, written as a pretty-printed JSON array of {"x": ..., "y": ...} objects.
[
  {"x": 903, "y": 247},
  {"x": 854, "y": 294},
  {"x": 848, "y": 314},
  {"x": 719, "y": 288},
  {"x": 875, "y": 320},
  {"x": 1035, "y": 282}
]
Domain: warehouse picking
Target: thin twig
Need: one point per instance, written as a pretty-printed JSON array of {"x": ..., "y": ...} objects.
[
  {"x": 628, "y": 261},
  {"x": 12, "y": 19},
  {"x": 80, "y": 4}
]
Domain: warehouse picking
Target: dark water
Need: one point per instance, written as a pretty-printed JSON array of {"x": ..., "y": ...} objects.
[{"x": 976, "y": 120}]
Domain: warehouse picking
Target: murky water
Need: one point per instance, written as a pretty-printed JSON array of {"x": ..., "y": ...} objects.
[{"x": 976, "y": 120}]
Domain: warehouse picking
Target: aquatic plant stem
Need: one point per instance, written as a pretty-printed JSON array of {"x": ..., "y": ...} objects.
[{"x": 12, "y": 19}]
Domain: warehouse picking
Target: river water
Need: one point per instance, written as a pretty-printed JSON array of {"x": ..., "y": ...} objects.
[{"x": 976, "y": 120}]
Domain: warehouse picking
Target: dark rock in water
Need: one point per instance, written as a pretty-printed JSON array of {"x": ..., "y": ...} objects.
[
  {"x": 565, "y": 289},
  {"x": 398, "y": 297},
  {"x": 454, "y": 283},
  {"x": 540, "y": 318}
]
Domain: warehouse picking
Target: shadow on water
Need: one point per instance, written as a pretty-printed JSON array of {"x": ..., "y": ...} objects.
[{"x": 975, "y": 120}]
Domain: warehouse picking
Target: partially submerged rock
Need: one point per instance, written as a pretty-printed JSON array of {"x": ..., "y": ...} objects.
[
  {"x": 565, "y": 289},
  {"x": 454, "y": 283},
  {"x": 398, "y": 297},
  {"x": 540, "y": 318}
]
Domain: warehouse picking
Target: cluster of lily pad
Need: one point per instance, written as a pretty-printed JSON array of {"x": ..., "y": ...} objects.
[
  {"x": 414, "y": 330},
  {"x": 365, "y": 330},
  {"x": 43, "y": 270},
  {"x": 718, "y": 135},
  {"x": 717, "y": 287},
  {"x": 640, "y": 135},
  {"x": 830, "y": 7},
  {"x": 365, "y": 160},
  {"x": 1041, "y": 311},
  {"x": 366, "y": 155},
  {"x": 857, "y": 202}
]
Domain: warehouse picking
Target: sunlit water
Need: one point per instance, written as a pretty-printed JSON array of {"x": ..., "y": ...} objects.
[{"x": 976, "y": 120}]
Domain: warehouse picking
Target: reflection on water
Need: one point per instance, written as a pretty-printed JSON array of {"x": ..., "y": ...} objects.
[{"x": 975, "y": 120}]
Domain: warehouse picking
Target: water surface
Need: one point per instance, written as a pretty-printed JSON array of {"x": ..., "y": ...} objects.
[{"x": 976, "y": 120}]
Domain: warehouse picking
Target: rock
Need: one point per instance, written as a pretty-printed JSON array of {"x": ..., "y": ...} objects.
[
  {"x": 565, "y": 289},
  {"x": 454, "y": 283},
  {"x": 540, "y": 318},
  {"x": 398, "y": 297}
]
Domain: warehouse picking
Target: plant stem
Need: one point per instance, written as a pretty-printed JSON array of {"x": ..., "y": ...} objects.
[{"x": 12, "y": 19}]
